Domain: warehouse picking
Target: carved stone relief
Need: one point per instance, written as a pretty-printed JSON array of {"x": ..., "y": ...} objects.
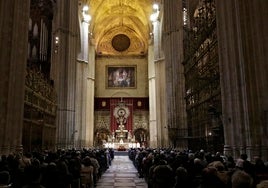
[
  {"x": 102, "y": 120},
  {"x": 141, "y": 120},
  {"x": 136, "y": 45}
]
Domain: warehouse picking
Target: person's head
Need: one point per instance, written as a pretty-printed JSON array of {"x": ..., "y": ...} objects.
[
  {"x": 33, "y": 174},
  {"x": 241, "y": 179},
  {"x": 163, "y": 176},
  {"x": 181, "y": 174},
  {"x": 218, "y": 165},
  {"x": 263, "y": 184},
  {"x": 244, "y": 156},
  {"x": 218, "y": 154},
  {"x": 87, "y": 161},
  {"x": 239, "y": 163},
  {"x": 4, "y": 178}
]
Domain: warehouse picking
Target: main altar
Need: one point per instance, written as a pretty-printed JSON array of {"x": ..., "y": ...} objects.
[
  {"x": 118, "y": 127},
  {"x": 121, "y": 138}
]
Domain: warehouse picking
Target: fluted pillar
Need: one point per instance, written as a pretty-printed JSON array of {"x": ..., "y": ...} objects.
[
  {"x": 243, "y": 49},
  {"x": 14, "y": 19},
  {"x": 90, "y": 96},
  {"x": 81, "y": 104},
  {"x": 153, "y": 128},
  {"x": 81, "y": 85},
  {"x": 175, "y": 81},
  {"x": 63, "y": 70},
  {"x": 259, "y": 29}
]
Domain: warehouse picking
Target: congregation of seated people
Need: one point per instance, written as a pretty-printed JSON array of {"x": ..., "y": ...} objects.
[
  {"x": 61, "y": 169},
  {"x": 161, "y": 168},
  {"x": 169, "y": 168}
]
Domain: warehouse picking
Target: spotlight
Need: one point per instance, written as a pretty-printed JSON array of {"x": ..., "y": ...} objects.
[
  {"x": 155, "y": 6},
  {"x": 85, "y": 8}
]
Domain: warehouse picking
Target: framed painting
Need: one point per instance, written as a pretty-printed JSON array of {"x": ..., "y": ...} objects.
[{"x": 121, "y": 76}]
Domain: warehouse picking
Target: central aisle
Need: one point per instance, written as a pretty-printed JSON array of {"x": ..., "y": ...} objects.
[{"x": 121, "y": 173}]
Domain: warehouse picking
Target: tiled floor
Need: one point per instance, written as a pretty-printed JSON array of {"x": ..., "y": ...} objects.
[{"x": 121, "y": 174}]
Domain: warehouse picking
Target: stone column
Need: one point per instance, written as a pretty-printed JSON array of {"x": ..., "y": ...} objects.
[
  {"x": 90, "y": 95},
  {"x": 83, "y": 25},
  {"x": 175, "y": 81},
  {"x": 65, "y": 27},
  {"x": 81, "y": 85},
  {"x": 153, "y": 128},
  {"x": 81, "y": 104},
  {"x": 242, "y": 51},
  {"x": 157, "y": 81},
  {"x": 228, "y": 83},
  {"x": 259, "y": 30},
  {"x": 14, "y": 19}
]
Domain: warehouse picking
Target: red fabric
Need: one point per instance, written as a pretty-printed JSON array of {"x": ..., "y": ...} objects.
[{"x": 129, "y": 103}]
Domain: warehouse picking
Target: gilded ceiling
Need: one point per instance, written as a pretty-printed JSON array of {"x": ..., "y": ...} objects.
[{"x": 120, "y": 27}]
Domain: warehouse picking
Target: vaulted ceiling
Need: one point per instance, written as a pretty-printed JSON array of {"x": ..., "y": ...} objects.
[{"x": 120, "y": 27}]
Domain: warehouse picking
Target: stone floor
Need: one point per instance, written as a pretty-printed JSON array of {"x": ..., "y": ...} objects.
[{"x": 121, "y": 174}]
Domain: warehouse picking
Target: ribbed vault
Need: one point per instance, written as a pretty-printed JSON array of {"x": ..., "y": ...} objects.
[{"x": 126, "y": 18}]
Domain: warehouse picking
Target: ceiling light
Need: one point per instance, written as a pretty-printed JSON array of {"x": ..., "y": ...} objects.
[
  {"x": 87, "y": 18},
  {"x": 155, "y": 6},
  {"x": 154, "y": 17},
  {"x": 85, "y": 8}
]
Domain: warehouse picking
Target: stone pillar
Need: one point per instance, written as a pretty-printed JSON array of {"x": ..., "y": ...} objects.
[
  {"x": 83, "y": 54},
  {"x": 14, "y": 19},
  {"x": 81, "y": 85},
  {"x": 257, "y": 52},
  {"x": 156, "y": 79},
  {"x": 81, "y": 104},
  {"x": 153, "y": 128},
  {"x": 160, "y": 98},
  {"x": 227, "y": 68},
  {"x": 90, "y": 95},
  {"x": 63, "y": 70},
  {"x": 242, "y": 36},
  {"x": 175, "y": 81}
]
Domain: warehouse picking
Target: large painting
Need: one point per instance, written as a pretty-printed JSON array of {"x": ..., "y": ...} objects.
[{"x": 121, "y": 76}]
